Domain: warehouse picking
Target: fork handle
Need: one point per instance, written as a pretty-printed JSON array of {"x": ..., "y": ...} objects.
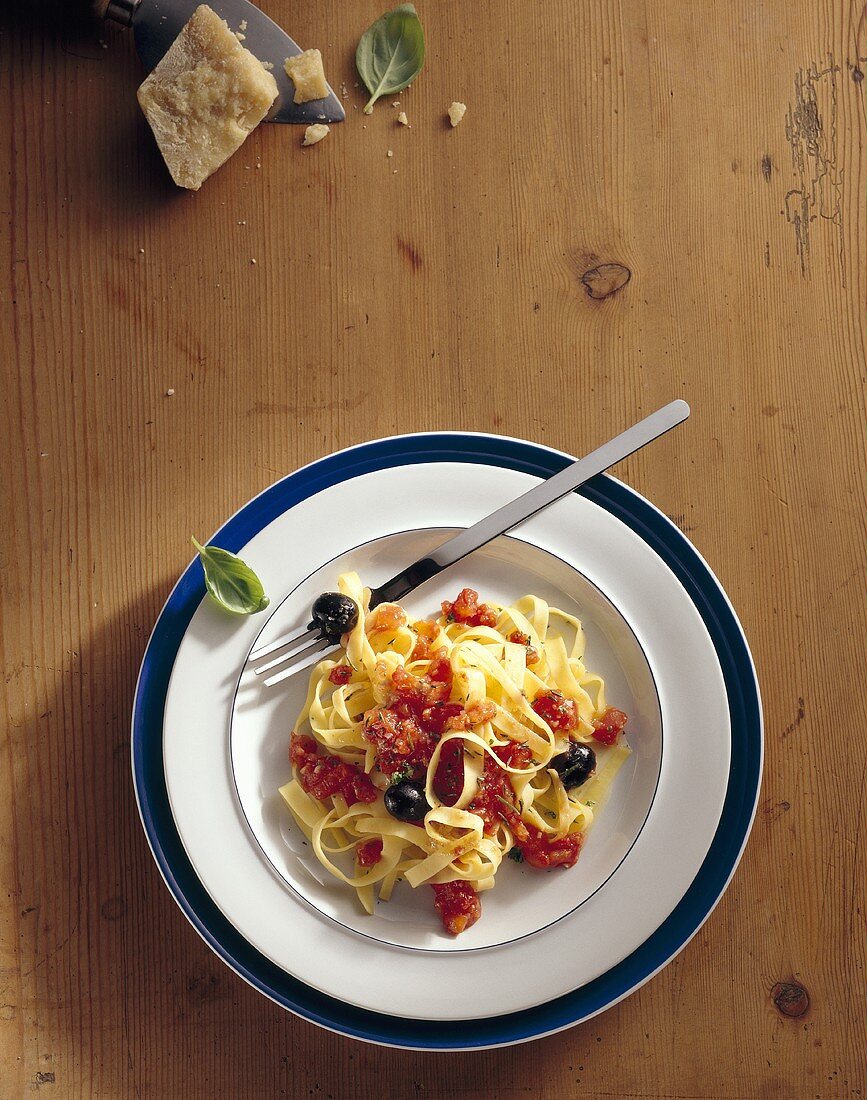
[{"x": 531, "y": 502}]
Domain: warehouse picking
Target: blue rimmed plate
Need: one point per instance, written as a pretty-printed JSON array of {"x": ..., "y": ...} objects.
[{"x": 663, "y": 862}]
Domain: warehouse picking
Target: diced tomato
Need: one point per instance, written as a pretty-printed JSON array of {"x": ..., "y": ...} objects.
[
  {"x": 441, "y": 716},
  {"x": 405, "y": 731},
  {"x": 559, "y": 712},
  {"x": 449, "y": 777},
  {"x": 400, "y": 743},
  {"x": 418, "y": 692},
  {"x": 515, "y": 754},
  {"x": 482, "y": 712},
  {"x": 494, "y": 801},
  {"x": 369, "y": 853},
  {"x": 440, "y": 671},
  {"x": 425, "y": 633},
  {"x": 406, "y": 688},
  {"x": 385, "y": 619},
  {"x": 458, "y": 905},
  {"x": 324, "y": 776},
  {"x": 340, "y": 674},
  {"x": 608, "y": 728},
  {"x": 520, "y": 638},
  {"x": 540, "y": 850},
  {"x": 465, "y": 608}
]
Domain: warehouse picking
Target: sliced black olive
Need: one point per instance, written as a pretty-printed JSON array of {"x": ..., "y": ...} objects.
[
  {"x": 406, "y": 801},
  {"x": 334, "y": 614},
  {"x": 576, "y": 765}
]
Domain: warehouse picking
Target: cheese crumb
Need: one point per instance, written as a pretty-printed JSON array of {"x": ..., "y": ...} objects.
[
  {"x": 170, "y": 393},
  {"x": 204, "y": 97},
  {"x": 389, "y": 153},
  {"x": 457, "y": 112},
  {"x": 315, "y": 133},
  {"x": 402, "y": 119},
  {"x": 307, "y": 74},
  {"x": 243, "y": 24}
]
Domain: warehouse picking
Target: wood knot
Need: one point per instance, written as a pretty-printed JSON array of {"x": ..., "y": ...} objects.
[
  {"x": 113, "y": 908},
  {"x": 606, "y": 279},
  {"x": 410, "y": 253},
  {"x": 790, "y": 999},
  {"x": 204, "y": 989}
]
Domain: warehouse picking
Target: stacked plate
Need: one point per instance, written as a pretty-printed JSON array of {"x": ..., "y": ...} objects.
[{"x": 210, "y": 750}]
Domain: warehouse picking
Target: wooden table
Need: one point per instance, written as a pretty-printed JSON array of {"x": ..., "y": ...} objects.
[{"x": 167, "y": 355}]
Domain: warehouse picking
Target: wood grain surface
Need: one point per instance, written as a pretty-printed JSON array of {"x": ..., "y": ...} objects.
[{"x": 155, "y": 377}]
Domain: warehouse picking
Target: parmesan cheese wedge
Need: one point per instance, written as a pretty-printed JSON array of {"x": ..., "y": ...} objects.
[{"x": 204, "y": 98}]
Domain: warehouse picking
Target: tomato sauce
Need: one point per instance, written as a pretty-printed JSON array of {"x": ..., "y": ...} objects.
[
  {"x": 458, "y": 905},
  {"x": 324, "y": 776},
  {"x": 608, "y": 728},
  {"x": 340, "y": 674}
]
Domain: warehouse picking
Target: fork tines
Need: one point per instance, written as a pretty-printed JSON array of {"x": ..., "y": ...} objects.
[{"x": 303, "y": 648}]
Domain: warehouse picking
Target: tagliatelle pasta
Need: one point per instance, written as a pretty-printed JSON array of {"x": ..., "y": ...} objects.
[{"x": 431, "y": 749}]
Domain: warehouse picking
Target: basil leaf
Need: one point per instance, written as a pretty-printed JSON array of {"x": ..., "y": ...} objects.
[
  {"x": 390, "y": 54},
  {"x": 231, "y": 582}
]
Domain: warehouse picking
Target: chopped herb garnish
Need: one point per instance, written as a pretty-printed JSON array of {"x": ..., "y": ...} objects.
[
  {"x": 404, "y": 773},
  {"x": 516, "y": 854}
]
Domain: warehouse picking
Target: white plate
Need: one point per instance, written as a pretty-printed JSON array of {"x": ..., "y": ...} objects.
[
  {"x": 644, "y": 634},
  {"x": 523, "y": 896}
]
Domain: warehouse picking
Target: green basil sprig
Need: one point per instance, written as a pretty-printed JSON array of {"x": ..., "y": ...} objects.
[
  {"x": 390, "y": 54},
  {"x": 231, "y": 582}
]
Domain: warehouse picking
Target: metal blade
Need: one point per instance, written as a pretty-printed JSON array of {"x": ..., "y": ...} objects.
[{"x": 157, "y": 23}]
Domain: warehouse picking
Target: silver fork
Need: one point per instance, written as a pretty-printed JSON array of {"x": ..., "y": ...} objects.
[{"x": 306, "y": 646}]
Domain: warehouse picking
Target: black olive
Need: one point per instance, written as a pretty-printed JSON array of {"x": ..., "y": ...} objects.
[
  {"x": 575, "y": 765},
  {"x": 334, "y": 614},
  {"x": 406, "y": 801}
]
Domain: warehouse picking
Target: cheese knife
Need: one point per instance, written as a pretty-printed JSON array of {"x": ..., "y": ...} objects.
[{"x": 157, "y": 23}]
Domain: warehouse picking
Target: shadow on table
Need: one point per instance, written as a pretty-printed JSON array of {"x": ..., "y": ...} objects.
[
  {"x": 128, "y": 999},
  {"x": 115, "y": 164}
]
